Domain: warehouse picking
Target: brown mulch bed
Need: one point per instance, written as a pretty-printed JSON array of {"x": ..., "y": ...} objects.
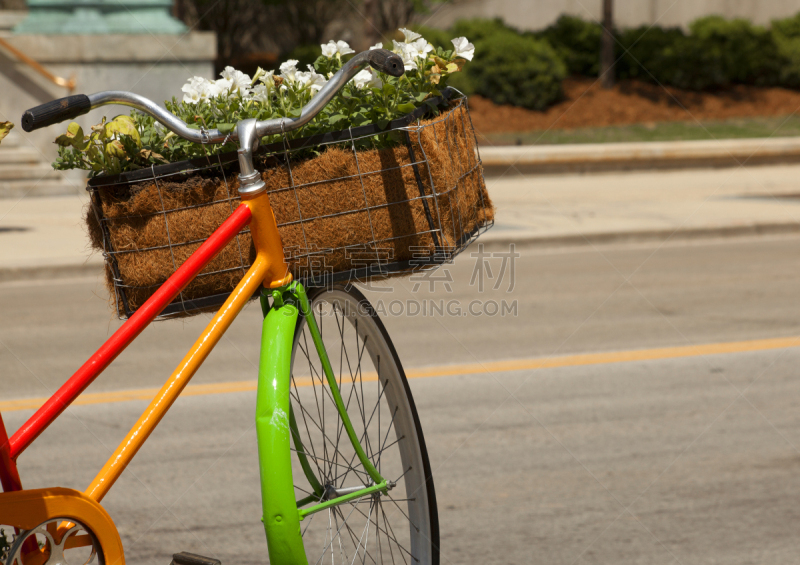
[{"x": 586, "y": 104}]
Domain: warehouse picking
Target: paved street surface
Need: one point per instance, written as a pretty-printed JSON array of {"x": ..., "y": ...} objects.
[{"x": 676, "y": 459}]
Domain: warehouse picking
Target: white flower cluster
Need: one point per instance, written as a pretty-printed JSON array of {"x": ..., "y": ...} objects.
[
  {"x": 416, "y": 47},
  {"x": 303, "y": 79},
  {"x": 200, "y": 89},
  {"x": 235, "y": 82},
  {"x": 366, "y": 78},
  {"x": 413, "y": 50}
]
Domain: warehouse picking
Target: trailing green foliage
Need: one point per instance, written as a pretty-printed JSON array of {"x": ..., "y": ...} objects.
[{"x": 132, "y": 142}]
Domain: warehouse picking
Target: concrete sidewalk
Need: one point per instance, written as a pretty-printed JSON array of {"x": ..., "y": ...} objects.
[
  {"x": 43, "y": 236},
  {"x": 629, "y": 206},
  {"x": 648, "y": 156}
]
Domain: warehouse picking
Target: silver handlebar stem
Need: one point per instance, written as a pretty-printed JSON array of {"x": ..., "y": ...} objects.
[
  {"x": 263, "y": 128},
  {"x": 320, "y": 100},
  {"x": 249, "y": 132},
  {"x": 146, "y": 106}
]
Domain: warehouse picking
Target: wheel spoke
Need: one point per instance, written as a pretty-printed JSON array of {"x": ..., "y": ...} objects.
[{"x": 378, "y": 528}]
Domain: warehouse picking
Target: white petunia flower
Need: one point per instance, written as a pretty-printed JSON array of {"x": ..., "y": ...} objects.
[
  {"x": 219, "y": 87},
  {"x": 329, "y": 49},
  {"x": 378, "y": 45},
  {"x": 267, "y": 79},
  {"x": 261, "y": 93},
  {"x": 336, "y": 48},
  {"x": 289, "y": 70},
  {"x": 342, "y": 48},
  {"x": 422, "y": 46},
  {"x": 191, "y": 93},
  {"x": 409, "y": 35},
  {"x": 239, "y": 80},
  {"x": 362, "y": 78},
  {"x": 463, "y": 48},
  {"x": 408, "y": 52},
  {"x": 367, "y": 78},
  {"x": 311, "y": 79}
]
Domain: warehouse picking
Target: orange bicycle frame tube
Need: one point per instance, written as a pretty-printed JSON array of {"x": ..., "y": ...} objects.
[{"x": 268, "y": 269}]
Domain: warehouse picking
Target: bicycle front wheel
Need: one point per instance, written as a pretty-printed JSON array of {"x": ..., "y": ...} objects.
[{"x": 400, "y": 526}]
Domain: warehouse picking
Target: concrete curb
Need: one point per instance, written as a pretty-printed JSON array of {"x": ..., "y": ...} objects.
[
  {"x": 50, "y": 272},
  {"x": 654, "y": 235},
  {"x": 591, "y": 157}
]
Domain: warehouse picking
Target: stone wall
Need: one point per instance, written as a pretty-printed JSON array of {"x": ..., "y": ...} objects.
[{"x": 155, "y": 66}]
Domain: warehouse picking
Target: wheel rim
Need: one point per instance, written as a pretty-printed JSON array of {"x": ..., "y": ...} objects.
[{"x": 395, "y": 527}]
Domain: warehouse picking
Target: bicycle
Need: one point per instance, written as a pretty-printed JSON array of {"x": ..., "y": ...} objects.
[{"x": 346, "y": 445}]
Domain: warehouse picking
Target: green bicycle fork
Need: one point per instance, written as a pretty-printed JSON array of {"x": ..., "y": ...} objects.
[{"x": 276, "y": 428}]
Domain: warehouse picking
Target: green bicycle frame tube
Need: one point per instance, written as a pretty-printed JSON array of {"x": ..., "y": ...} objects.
[
  {"x": 317, "y": 488},
  {"x": 276, "y": 429},
  {"x": 280, "y": 515}
]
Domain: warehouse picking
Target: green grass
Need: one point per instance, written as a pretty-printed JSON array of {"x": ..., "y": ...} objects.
[{"x": 784, "y": 126}]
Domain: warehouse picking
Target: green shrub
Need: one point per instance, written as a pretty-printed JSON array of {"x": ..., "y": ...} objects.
[
  {"x": 717, "y": 53},
  {"x": 640, "y": 51},
  {"x": 577, "y": 42},
  {"x": 480, "y": 28},
  {"x": 787, "y": 27},
  {"x": 668, "y": 57},
  {"x": 786, "y": 35},
  {"x": 746, "y": 53},
  {"x": 511, "y": 69},
  {"x": 688, "y": 63}
]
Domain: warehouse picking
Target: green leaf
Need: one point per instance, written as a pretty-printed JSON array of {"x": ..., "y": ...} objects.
[
  {"x": 406, "y": 108},
  {"x": 73, "y": 137},
  {"x": 389, "y": 89},
  {"x": 122, "y": 125},
  {"x": 336, "y": 118},
  {"x": 226, "y": 128},
  {"x": 5, "y": 127}
]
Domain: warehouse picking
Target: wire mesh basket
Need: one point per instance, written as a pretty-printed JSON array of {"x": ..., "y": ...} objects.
[{"x": 346, "y": 211}]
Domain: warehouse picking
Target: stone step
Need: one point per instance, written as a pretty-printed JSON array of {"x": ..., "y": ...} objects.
[
  {"x": 9, "y": 19},
  {"x": 18, "y": 155},
  {"x": 36, "y": 171},
  {"x": 49, "y": 187}
]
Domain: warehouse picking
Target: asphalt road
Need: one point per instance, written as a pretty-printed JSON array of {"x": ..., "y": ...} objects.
[{"x": 690, "y": 459}]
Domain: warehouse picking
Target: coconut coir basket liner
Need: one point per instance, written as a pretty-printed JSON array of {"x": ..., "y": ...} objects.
[{"x": 347, "y": 213}]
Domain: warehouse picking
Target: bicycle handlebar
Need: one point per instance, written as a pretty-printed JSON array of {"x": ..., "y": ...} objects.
[{"x": 73, "y": 106}]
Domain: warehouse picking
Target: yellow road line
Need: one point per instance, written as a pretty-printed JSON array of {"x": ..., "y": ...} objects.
[{"x": 446, "y": 370}]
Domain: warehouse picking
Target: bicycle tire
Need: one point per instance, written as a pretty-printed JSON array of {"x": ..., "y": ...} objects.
[{"x": 375, "y": 389}]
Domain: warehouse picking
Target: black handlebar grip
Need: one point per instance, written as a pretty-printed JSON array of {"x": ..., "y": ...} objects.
[
  {"x": 55, "y": 111},
  {"x": 386, "y": 62}
]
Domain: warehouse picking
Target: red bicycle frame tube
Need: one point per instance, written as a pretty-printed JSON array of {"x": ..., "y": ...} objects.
[
  {"x": 84, "y": 376},
  {"x": 9, "y": 476}
]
